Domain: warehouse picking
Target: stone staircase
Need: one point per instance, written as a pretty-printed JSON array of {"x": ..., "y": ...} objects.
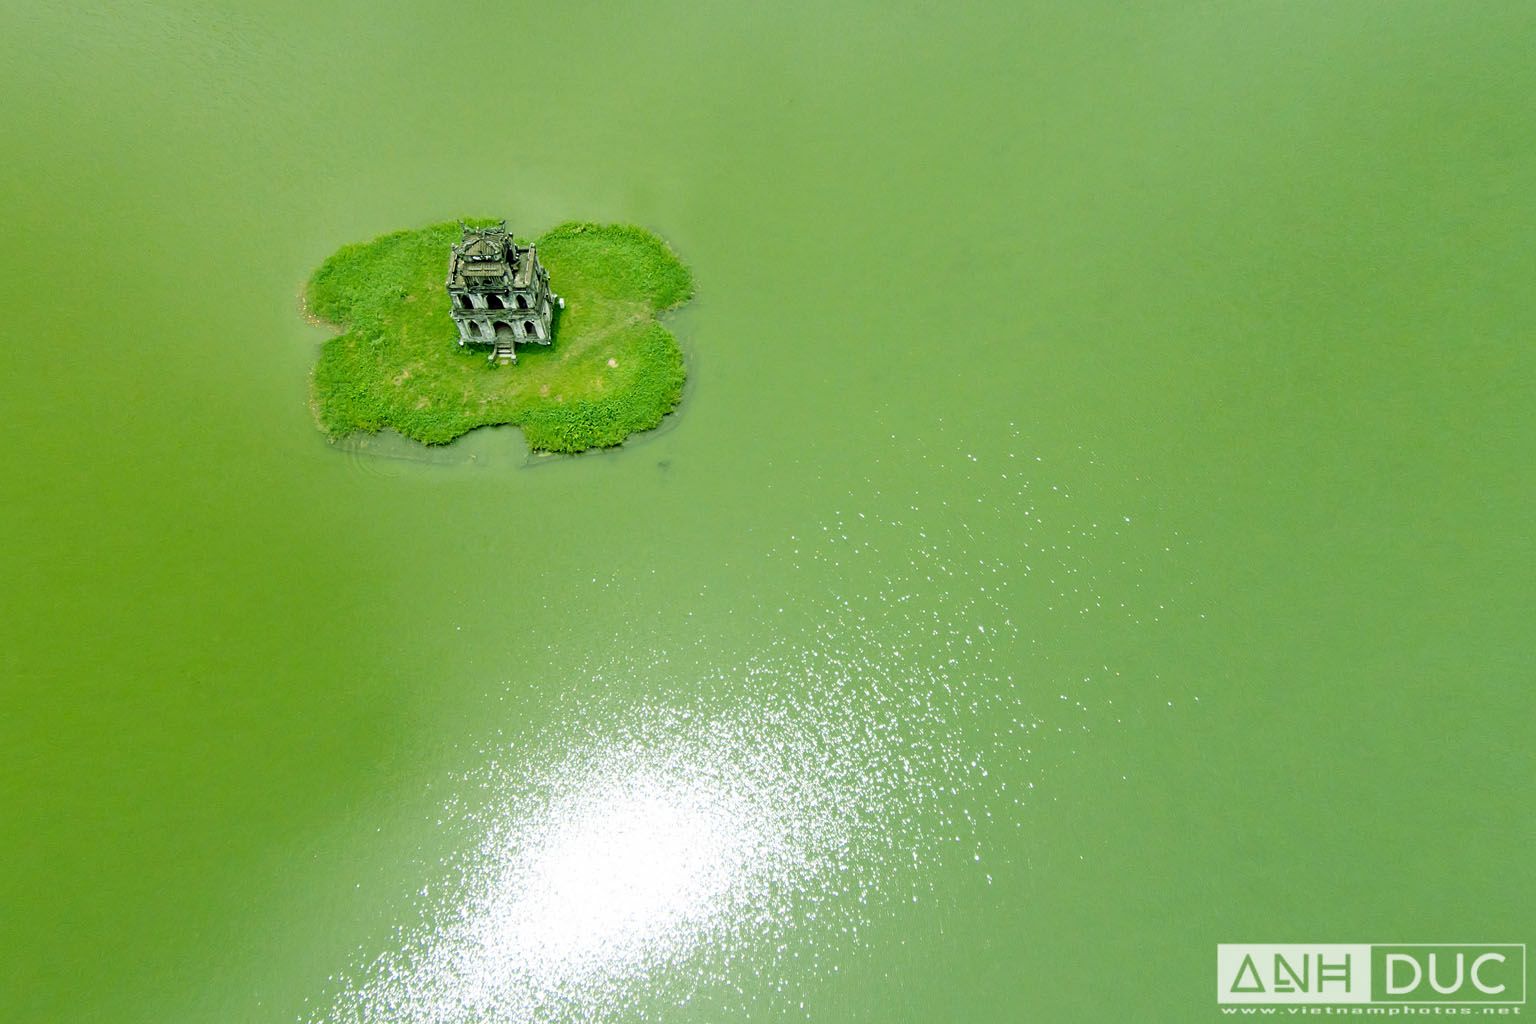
[{"x": 503, "y": 353}]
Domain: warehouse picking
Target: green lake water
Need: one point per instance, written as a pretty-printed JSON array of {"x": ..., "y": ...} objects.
[{"x": 1099, "y": 525}]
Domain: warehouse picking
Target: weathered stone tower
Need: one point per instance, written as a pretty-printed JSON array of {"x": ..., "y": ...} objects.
[{"x": 499, "y": 293}]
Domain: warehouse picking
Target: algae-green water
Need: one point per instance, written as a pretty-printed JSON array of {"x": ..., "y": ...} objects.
[{"x": 1098, "y": 525}]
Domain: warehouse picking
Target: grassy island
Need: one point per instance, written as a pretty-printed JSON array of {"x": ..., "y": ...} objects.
[{"x": 613, "y": 369}]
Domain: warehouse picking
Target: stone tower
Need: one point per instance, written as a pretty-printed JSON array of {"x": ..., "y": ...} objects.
[{"x": 499, "y": 293}]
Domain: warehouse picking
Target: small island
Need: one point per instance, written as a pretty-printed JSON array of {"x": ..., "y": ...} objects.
[{"x": 435, "y": 362}]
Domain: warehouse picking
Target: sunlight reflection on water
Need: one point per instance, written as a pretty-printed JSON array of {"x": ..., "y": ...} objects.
[
  {"x": 639, "y": 853},
  {"x": 678, "y": 838}
]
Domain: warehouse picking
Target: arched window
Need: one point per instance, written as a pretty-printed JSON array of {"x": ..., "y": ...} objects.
[
  {"x": 465, "y": 302},
  {"x": 494, "y": 302},
  {"x": 474, "y": 329},
  {"x": 530, "y": 329},
  {"x": 522, "y": 301}
]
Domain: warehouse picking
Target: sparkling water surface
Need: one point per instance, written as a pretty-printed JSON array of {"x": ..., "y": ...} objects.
[{"x": 641, "y": 851}]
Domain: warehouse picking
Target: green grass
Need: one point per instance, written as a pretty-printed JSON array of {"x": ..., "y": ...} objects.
[{"x": 612, "y": 370}]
